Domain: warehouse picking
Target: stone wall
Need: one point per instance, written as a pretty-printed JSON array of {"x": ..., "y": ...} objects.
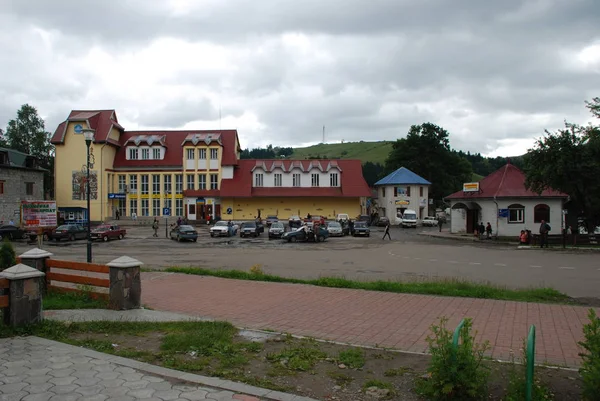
[{"x": 15, "y": 180}]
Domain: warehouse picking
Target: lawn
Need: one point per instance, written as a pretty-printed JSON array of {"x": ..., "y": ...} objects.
[{"x": 375, "y": 152}]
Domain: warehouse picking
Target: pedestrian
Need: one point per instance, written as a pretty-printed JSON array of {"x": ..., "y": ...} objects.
[
  {"x": 488, "y": 230},
  {"x": 118, "y": 214},
  {"x": 544, "y": 229},
  {"x": 387, "y": 231},
  {"x": 155, "y": 228},
  {"x": 440, "y": 223},
  {"x": 481, "y": 229},
  {"x": 134, "y": 216},
  {"x": 179, "y": 221}
]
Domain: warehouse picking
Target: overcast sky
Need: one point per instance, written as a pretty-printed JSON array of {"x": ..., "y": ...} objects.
[{"x": 493, "y": 73}]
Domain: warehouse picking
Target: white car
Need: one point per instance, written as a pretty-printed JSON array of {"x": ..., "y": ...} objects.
[
  {"x": 223, "y": 229},
  {"x": 430, "y": 221}
]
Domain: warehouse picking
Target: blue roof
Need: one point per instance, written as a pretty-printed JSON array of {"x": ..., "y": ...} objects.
[{"x": 403, "y": 176}]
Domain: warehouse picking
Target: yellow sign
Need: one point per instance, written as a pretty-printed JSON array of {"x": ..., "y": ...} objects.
[
  {"x": 403, "y": 202},
  {"x": 471, "y": 187}
]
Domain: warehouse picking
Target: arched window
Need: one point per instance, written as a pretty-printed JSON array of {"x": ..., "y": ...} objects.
[
  {"x": 516, "y": 213},
  {"x": 541, "y": 212}
]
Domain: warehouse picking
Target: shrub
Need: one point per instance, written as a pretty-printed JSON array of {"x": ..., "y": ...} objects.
[
  {"x": 518, "y": 380},
  {"x": 590, "y": 368},
  {"x": 455, "y": 374},
  {"x": 8, "y": 257}
]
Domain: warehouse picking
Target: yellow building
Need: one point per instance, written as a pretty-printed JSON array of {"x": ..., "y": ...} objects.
[{"x": 193, "y": 174}]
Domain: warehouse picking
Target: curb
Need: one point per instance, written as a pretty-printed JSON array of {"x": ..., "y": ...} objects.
[{"x": 175, "y": 374}]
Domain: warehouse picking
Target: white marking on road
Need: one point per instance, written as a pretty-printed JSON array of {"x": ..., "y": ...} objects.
[
  {"x": 474, "y": 263},
  {"x": 567, "y": 268},
  {"x": 435, "y": 260},
  {"x": 417, "y": 258},
  {"x": 537, "y": 266},
  {"x": 499, "y": 264},
  {"x": 452, "y": 261}
]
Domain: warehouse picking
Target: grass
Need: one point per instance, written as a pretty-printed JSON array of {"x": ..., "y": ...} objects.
[
  {"x": 381, "y": 385},
  {"x": 375, "y": 152},
  {"x": 72, "y": 300},
  {"x": 301, "y": 358},
  {"x": 353, "y": 358},
  {"x": 452, "y": 287},
  {"x": 341, "y": 379}
]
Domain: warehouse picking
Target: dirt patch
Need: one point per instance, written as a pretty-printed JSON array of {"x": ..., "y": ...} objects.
[{"x": 318, "y": 370}]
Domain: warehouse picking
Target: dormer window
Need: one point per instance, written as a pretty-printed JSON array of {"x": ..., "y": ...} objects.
[
  {"x": 156, "y": 153},
  {"x": 145, "y": 154},
  {"x": 214, "y": 154},
  {"x": 133, "y": 154}
]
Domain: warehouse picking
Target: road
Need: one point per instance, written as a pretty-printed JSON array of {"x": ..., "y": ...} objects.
[{"x": 408, "y": 257}]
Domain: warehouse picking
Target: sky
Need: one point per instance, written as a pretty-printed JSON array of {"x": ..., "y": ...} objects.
[{"x": 495, "y": 74}]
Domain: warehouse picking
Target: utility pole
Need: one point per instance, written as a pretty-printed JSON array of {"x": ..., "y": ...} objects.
[{"x": 323, "y": 134}]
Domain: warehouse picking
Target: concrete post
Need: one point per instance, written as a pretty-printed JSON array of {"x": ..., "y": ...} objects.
[
  {"x": 25, "y": 293},
  {"x": 36, "y": 258},
  {"x": 125, "y": 283}
]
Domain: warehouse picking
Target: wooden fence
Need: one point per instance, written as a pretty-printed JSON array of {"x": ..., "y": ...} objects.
[
  {"x": 75, "y": 280},
  {"x": 4, "y": 299}
]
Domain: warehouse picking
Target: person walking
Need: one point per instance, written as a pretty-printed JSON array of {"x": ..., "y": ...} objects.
[
  {"x": 544, "y": 229},
  {"x": 440, "y": 223},
  {"x": 118, "y": 214},
  {"x": 387, "y": 231},
  {"x": 155, "y": 228},
  {"x": 488, "y": 230}
]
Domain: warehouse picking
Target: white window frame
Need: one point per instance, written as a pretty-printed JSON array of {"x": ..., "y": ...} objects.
[
  {"x": 145, "y": 207},
  {"x": 277, "y": 179},
  {"x": 167, "y": 184},
  {"x": 155, "y": 207},
  {"x": 122, "y": 183},
  {"x": 201, "y": 181},
  {"x": 178, "y": 207},
  {"x": 190, "y": 179},
  {"x": 145, "y": 154},
  {"x": 133, "y": 184},
  {"x": 202, "y": 154},
  {"x": 333, "y": 179},
  {"x": 191, "y": 154},
  {"x": 214, "y": 181},
  {"x": 296, "y": 180},
  {"x": 520, "y": 214},
  {"x": 155, "y": 184},
  {"x": 133, "y": 154},
  {"x": 145, "y": 184},
  {"x": 133, "y": 206},
  {"x": 178, "y": 184},
  {"x": 214, "y": 154},
  {"x": 259, "y": 179},
  {"x": 314, "y": 179},
  {"x": 156, "y": 153}
]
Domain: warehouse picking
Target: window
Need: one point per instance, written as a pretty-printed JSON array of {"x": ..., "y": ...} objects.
[
  {"x": 201, "y": 181},
  {"x": 314, "y": 179},
  {"x": 191, "y": 154},
  {"x": 214, "y": 154},
  {"x": 407, "y": 191},
  {"x": 29, "y": 188},
  {"x": 178, "y": 207},
  {"x": 155, "y": 207},
  {"x": 133, "y": 154},
  {"x": 144, "y": 184},
  {"x": 383, "y": 192},
  {"x": 145, "y": 154},
  {"x": 169, "y": 204},
  {"x": 401, "y": 191},
  {"x": 421, "y": 192},
  {"x": 132, "y": 207},
  {"x": 516, "y": 213},
  {"x": 167, "y": 184},
  {"x": 277, "y": 180},
  {"x": 541, "y": 212},
  {"x": 1, "y": 187},
  {"x": 133, "y": 184},
  {"x": 155, "y": 184},
  {"x": 214, "y": 181},
  {"x": 258, "y": 180},
  {"x": 145, "y": 207},
  {"x": 179, "y": 184},
  {"x": 202, "y": 154},
  {"x": 156, "y": 153},
  {"x": 191, "y": 181},
  {"x": 296, "y": 180},
  {"x": 122, "y": 183},
  {"x": 121, "y": 207},
  {"x": 333, "y": 180}
]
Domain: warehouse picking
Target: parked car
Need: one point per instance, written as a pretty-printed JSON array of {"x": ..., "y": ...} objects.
[
  {"x": 409, "y": 219},
  {"x": 361, "y": 228},
  {"x": 106, "y": 232},
  {"x": 69, "y": 232},
  {"x": 249, "y": 229},
  {"x": 184, "y": 233},
  {"x": 316, "y": 219},
  {"x": 11, "y": 232},
  {"x": 46, "y": 233},
  {"x": 383, "y": 221},
  {"x": 429, "y": 221},
  {"x": 276, "y": 230},
  {"x": 223, "y": 229},
  {"x": 364, "y": 217},
  {"x": 335, "y": 229},
  {"x": 301, "y": 235},
  {"x": 295, "y": 221},
  {"x": 271, "y": 219},
  {"x": 342, "y": 217}
]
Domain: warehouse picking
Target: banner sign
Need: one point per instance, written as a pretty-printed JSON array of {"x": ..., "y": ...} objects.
[
  {"x": 471, "y": 187},
  {"x": 38, "y": 214}
]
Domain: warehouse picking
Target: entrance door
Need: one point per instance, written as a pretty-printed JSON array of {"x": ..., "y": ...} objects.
[
  {"x": 201, "y": 211},
  {"x": 472, "y": 220},
  {"x": 191, "y": 211},
  {"x": 217, "y": 210}
]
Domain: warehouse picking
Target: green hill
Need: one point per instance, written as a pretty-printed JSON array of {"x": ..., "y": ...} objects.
[{"x": 375, "y": 152}]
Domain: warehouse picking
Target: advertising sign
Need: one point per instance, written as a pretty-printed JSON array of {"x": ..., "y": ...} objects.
[
  {"x": 502, "y": 212},
  {"x": 471, "y": 187},
  {"x": 38, "y": 214},
  {"x": 403, "y": 202}
]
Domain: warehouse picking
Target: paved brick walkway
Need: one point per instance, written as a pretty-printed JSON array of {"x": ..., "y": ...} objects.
[{"x": 399, "y": 321}]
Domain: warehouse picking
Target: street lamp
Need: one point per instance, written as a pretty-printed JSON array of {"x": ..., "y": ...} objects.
[{"x": 88, "y": 134}]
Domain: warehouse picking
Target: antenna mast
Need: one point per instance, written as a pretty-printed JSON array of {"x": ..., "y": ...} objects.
[{"x": 323, "y": 134}]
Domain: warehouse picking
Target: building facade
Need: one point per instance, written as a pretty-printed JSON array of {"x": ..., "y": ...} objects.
[
  {"x": 402, "y": 190},
  {"x": 20, "y": 179},
  {"x": 193, "y": 174},
  {"x": 502, "y": 199}
]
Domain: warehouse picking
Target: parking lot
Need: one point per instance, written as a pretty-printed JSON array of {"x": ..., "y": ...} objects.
[{"x": 409, "y": 256}]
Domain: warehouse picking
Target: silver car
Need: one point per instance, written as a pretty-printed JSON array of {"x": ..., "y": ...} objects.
[{"x": 335, "y": 229}]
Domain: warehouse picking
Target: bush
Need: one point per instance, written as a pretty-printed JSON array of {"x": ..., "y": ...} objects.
[
  {"x": 518, "y": 380},
  {"x": 455, "y": 374},
  {"x": 590, "y": 368},
  {"x": 8, "y": 257}
]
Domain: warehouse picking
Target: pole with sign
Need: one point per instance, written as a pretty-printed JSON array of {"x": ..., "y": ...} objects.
[{"x": 166, "y": 214}]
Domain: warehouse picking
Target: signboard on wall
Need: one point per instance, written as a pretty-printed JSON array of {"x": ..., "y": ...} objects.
[
  {"x": 403, "y": 202},
  {"x": 38, "y": 214},
  {"x": 502, "y": 212},
  {"x": 471, "y": 187},
  {"x": 116, "y": 196},
  {"x": 401, "y": 191}
]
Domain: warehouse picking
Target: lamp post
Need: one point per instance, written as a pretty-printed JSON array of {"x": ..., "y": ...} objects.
[{"x": 89, "y": 137}]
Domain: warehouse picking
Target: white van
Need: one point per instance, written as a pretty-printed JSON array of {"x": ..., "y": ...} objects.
[{"x": 409, "y": 219}]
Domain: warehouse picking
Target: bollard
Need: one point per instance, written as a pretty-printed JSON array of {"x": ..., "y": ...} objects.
[{"x": 530, "y": 354}]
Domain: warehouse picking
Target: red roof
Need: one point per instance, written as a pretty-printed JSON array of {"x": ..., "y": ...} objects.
[
  {"x": 352, "y": 182},
  {"x": 507, "y": 182},
  {"x": 101, "y": 121}
]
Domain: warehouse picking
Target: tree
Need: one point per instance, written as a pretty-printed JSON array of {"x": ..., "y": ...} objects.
[
  {"x": 372, "y": 172},
  {"x": 569, "y": 161},
  {"x": 3, "y": 143},
  {"x": 27, "y": 134},
  {"x": 426, "y": 151}
]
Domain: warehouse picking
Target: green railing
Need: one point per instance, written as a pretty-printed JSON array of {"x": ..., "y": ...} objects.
[
  {"x": 530, "y": 354},
  {"x": 455, "y": 339}
]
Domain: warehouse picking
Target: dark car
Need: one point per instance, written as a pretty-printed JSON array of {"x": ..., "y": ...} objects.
[
  {"x": 301, "y": 235},
  {"x": 106, "y": 232},
  {"x": 250, "y": 229},
  {"x": 276, "y": 230},
  {"x": 46, "y": 233},
  {"x": 364, "y": 217},
  {"x": 361, "y": 228},
  {"x": 11, "y": 232},
  {"x": 295, "y": 221},
  {"x": 184, "y": 233},
  {"x": 69, "y": 232},
  {"x": 383, "y": 221},
  {"x": 271, "y": 219}
]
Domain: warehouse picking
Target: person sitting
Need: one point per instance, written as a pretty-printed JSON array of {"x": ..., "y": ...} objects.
[{"x": 523, "y": 237}]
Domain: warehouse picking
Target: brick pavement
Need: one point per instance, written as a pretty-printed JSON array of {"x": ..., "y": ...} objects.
[
  {"x": 33, "y": 368},
  {"x": 398, "y": 321}
]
